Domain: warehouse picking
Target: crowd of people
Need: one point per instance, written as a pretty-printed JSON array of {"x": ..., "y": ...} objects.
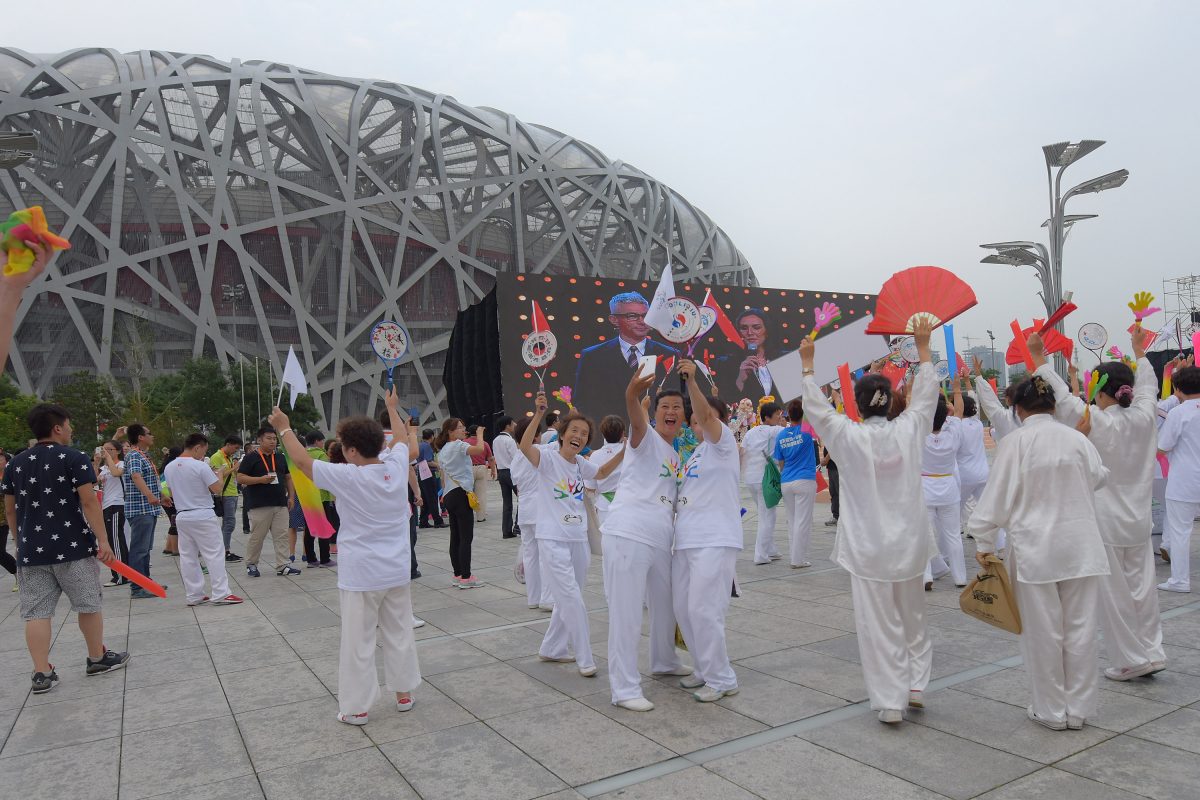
[{"x": 1066, "y": 503}]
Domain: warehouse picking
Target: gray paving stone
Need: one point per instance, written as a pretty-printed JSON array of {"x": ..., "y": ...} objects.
[
  {"x": 811, "y": 773},
  {"x": 482, "y": 761},
  {"x": 65, "y": 723},
  {"x": 276, "y": 685},
  {"x": 58, "y": 774},
  {"x": 168, "y": 704},
  {"x": 508, "y": 644},
  {"x": 172, "y": 617},
  {"x": 694, "y": 783},
  {"x": 1179, "y": 729},
  {"x": 432, "y": 711},
  {"x": 1183, "y": 659},
  {"x": 1138, "y": 766},
  {"x": 153, "y": 764},
  {"x": 814, "y": 670},
  {"x": 237, "y": 630},
  {"x": 576, "y": 743},
  {"x": 300, "y": 619},
  {"x": 564, "y": 677},
  {"x": 168, "y": 667},
  {"x": 296, "y": 733},
  {"x": 245, "y": 787},
  {"x": 1054, "y": 784},
  {"x": 447, "y": 655},
  {"x": 160, "y": 641},
  {"x": 265, "y": 651},
  {"x": 777, "y": 629},
  {"x": 461, "y": 619},
  {"x": 494, "y": 689},
  {"x": 946, "y": 764},
  {"x": 362, "y": 774},
  {"x": 315, "y": 642},
  {"x": 774, "y": 701}
]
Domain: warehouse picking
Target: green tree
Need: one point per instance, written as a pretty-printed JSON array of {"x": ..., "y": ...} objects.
[
  {"x": 95, "y": 404},
  {"x": 14, "y": 406}
]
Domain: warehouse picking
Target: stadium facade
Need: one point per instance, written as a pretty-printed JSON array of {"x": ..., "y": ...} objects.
[{"x": 235, "y": 208}]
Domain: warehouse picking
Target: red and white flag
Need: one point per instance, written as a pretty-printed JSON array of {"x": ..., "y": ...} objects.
[
  {"x": 723, "y": 321},
  {"x": 539, "y": 319}
]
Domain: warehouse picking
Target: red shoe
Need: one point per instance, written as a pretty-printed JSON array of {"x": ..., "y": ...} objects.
[{"x": 228, "y": 600}]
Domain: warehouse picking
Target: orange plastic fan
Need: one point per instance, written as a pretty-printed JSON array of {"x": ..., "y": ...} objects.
[
  {"x": 1054, "y": 342},
  {"x": 931, "y": 292}
]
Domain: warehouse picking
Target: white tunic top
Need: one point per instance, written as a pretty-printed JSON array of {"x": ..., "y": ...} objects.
[
  {"x": 525, "y": 478},
  {"x": 971, "y": 456},
  {"x": 883, "y": 529},
  {"x": 1125, "y": 439},
  {"x": 505, "y": 449},
  {"x": 1180, "y": 438},
  {"x": 939, "y": 465},
  {"x": 644, "y": 508},
  {"x": 601, "y": 457},
  {"x": 757, "y": 444},
  {"x": 1042, "y": 491},
  {"x": 560, "y": 496},
  {"x": 708, "y": 511},
  {"x": 1003, "y": 420}
]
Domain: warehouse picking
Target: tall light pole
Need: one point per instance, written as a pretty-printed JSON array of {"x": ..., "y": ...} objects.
[
  {"x": 992, "y": 346},
  {"x": 1048, "y": 260},
  {"x": 235, "y": 294}
]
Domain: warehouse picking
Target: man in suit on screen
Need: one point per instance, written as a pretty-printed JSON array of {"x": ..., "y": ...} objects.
[{"x": 604, "y": 369}]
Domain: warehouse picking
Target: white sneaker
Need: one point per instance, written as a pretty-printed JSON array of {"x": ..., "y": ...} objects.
[
  {"x": 1157, "y": 666},
  {"x": 636, "y": 704},
  {"x": 588, "y": 672},
  {"x": 1053, "y": 725},
  {"x": 691, "y": 682},
  {"x": 802, "y": 565},
  {"x": 762, "y": 563},
  {"x": 1128, "y": 673},
  {"x": 553, "y": 660},
  {"x": 680, "y": 671},
  {"x": 891, "y": 716},
  {"x": 1167, "y": 587},
  {"x": 546, "y": 606},
  {"x": 406, "y": 704},
  {"x": 776, "y": 557},
  {"x": 1075, "y": 723},
  {"x": 352, "y": 719},
  {"x": 707, "y": 694},
  {"x": 916, "y": 698},
  {"x": 418, "y": 623}
]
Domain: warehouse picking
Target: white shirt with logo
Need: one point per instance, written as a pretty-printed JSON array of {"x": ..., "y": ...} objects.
[
  {"x": 560, "y": 512},
  {"x": 644, "y": 508},
  {"x": 708, "y": 511}
]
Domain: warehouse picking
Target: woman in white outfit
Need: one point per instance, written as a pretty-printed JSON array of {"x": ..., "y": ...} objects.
[
  {"x": 1179, "y": 438},
  {"x": 1042, "y": 490},
  {"x": 373, "y": 562},
  {"x": 940, "y": 488},
  {"x": 972, "y": 459},
  {"x": 884, "y": 539},
  {"x": 708, "y": 536},
  {"x": 638, "y": 532},
  {"x": 1122, "y": 430},
  {"x": 562, "y": 532},
  {"x": 524, "y": 476},
  {"x": 757, "y": 446},
  {"x": 796, "y": 453}
]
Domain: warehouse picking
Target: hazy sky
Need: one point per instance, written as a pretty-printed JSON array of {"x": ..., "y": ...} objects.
[{"x": 836, "y": 142}]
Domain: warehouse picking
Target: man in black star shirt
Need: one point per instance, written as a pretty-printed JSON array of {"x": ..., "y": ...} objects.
[{"x": 50, "y": 503}]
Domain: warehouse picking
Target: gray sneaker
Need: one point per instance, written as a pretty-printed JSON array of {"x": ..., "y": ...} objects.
[
  {"x": 43, "y": 682},
  {"x": 107, "y": 663}
]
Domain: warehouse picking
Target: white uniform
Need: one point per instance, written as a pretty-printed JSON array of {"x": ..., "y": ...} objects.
[
  {"x": 972, "y": 465},
  {"x": 940, "y": 487},
  {"x": 537, "y": 589},
  {"x": 638, "y": 530},
  {"x": 604, "y": 492},
  {"x": 1125, "y": 439},
  {"x": 563, "y": 549},
  {"x": 708, "y": 536},
  {"x": 1042, "y": 490},
  {"x": 884, "y": 539},
  {"x": 1180, "y": 438},
  {"x": 199, "y": 528},
  {"x": 1004, "y": 421},
  {"x": 757, "y": 446}
]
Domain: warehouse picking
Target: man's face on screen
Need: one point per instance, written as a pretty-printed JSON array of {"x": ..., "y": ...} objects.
[
  {"x": 630, "y": 321},
  {"x": 752, "y": 330}
]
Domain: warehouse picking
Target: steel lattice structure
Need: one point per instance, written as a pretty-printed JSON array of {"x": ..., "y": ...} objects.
[{"x": 228, "y": 208}]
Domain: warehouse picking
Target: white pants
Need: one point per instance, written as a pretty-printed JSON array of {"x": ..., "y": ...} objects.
[
  {"x": 764, "y": 542},
  {"x": 566, "y": 566},
  {"x": 944, "y": 520},
  {"x": 798, "y": 498},
  {"x": 391, "y": 611},
  {"x": 201, "y": 538},
  {"x": 635, "y": 572},
  {"x": 1129, "y": 607},
  {"x": 893, "y": 640},
  {"x": 969, "y": 494},
  {"x": 1177, "y": 539},
  {"x": 537, "y": 591},
  {"x": 701, "y": 582},
  {"x": 1058, "y": 643}
]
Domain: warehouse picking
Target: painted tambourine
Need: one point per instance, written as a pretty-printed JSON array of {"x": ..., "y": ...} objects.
[
  {"x": 390, "y": 343},
  {"x": 908, "y": 350},
  {"x": 539, "y": 349},
  {"x": 685, "y": 320},
  {"x": 1092, "y": 335},
  {"x": 708, "y": 318},
  {"x": 942, "y": 370}
]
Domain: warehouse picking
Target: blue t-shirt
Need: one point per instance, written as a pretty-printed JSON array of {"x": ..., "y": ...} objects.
[{"x": 795, "y": 449}]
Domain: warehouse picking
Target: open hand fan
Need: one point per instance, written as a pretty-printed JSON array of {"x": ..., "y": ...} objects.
[
  {"x": 930, "y": 292},
  {"x": 1053, "y": 341}
]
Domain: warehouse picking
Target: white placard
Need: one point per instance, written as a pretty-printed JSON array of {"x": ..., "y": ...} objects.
[{"x": 849, "y": 344}]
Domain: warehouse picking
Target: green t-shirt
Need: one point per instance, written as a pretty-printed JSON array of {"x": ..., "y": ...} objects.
[
  {"x": 218, "y": 460},
  {"x": 319, "y": 455}
]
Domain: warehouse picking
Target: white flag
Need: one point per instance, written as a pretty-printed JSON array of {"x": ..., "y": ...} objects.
[
  {"x": 293, "y": 376},
  {"x": 658, "y": 316}
]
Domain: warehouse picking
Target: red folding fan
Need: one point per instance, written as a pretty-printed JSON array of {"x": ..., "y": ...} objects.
[
  {"x": 1053, "y": 341},
  {"x": 930, "y": 292}
]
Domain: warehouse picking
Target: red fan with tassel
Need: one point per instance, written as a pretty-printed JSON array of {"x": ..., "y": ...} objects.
[
  {"x": 1054, "y": 342},
  {"x": 933, "y": 293}
]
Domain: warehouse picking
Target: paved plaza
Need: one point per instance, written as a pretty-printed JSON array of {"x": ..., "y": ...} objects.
[{"x": 233, "y": 703}]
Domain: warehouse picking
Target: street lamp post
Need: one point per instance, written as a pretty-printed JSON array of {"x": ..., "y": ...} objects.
[
  {"x": 235, "y": 294},
  {"x": 1048, "y": 261},
  {"x": 992, "y": 347}
]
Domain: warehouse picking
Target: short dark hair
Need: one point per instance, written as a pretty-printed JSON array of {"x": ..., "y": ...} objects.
[
  {"x": 551, "y": 418},
  {"x": 612, "y": 428},
  {"x": 795, "y": 411},
  {"x": 668, "y": 393},
  {"x": 864, "y": 393},
  {"x": 1034, "y": 396},
  {"x": 233, "y": 438},
  {"x": 522, "y": 426},
  {"x": 769, "y": 410},
  {"x": 428, "y": 434},
  {"x": 1119, "y": 375},
  {"x": 718, "y": 406},
  {"x": 336, "y": 456},
  {"x": 363, "y": 434},
  {"x": 263, "y": 431},
  {"x": 1186, "y": 380},
  {"x": 565, "y": 422},
  {"x": 313, "y": 438},
  {"x": 940, "y": 412},
  {"x": 970, "y": 407},
  {"x": 45, "y": 417},
  {"x": 502, "y": 423},
  {"x": 194, "y": 439},
  {"x": 752, "y": 312},
  {"x": 134, "y": 432}
]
